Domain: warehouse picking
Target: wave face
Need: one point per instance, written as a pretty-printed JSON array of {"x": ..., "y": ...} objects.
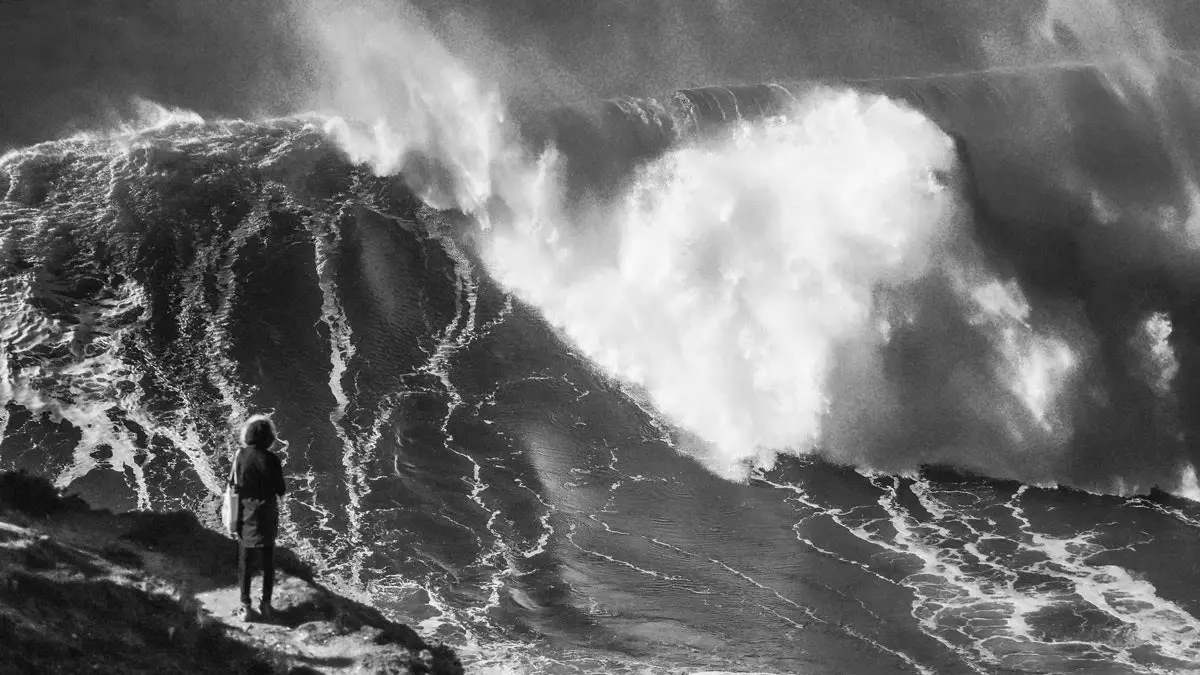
[{"x": 777, "y": 377}]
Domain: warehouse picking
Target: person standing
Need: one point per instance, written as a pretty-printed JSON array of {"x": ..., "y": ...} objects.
[{"x": 258, "y": 481}]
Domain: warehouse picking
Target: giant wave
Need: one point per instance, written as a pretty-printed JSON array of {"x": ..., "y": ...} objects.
[{"x": 500, "y": 343}]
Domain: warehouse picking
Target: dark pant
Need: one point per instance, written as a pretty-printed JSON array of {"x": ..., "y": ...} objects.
[{"x": 266, "y": 556}]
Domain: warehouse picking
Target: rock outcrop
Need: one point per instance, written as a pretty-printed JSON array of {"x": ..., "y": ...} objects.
[{"x": 91, "y": 591}]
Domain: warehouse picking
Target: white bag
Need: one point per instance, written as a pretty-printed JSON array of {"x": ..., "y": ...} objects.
[{"x": 230, "y": 504}]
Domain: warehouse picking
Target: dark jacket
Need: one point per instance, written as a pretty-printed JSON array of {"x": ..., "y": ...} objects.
[{"x": 258, "y": 479}]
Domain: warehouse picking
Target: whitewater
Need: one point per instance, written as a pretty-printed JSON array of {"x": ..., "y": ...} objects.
[{"x": 829, "y": 375}]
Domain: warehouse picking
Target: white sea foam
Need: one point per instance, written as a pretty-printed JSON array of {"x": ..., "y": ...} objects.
[
  {"x": 995, "y": 604},
  {"x": 733, "y": 280},
  {"x": 341, "y": 353},
  {"x": 748, "y": 288},
  {"x": 1159, "y": 365},
  {"x": 736, "y": 281}
]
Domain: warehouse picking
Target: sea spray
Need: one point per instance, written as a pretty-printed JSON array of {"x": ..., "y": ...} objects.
[
  {"x": 834, "y": 276},
  {"x": 397, "y": 100},
  {"x": 726, "y": 275},
  {"x": 752, "y": 285},
  {"x": 738, "y": 269}
]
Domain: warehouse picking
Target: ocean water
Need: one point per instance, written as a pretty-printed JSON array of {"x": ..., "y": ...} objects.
[{"x": 832, "y": 375}]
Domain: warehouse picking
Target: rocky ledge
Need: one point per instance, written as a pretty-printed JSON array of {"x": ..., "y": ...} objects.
[{"x": 83, "y": 590}]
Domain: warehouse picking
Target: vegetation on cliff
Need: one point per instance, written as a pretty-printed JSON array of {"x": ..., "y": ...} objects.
[{"x": 91, "y": 591}]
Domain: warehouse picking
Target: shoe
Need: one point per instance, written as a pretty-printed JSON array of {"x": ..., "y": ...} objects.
[
  {"x": 265, "y": 611},
  {"x": 245, "y": 613}
]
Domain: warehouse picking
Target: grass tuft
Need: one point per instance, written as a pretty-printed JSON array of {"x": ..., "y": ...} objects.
[{"x": 34, "y": 496}]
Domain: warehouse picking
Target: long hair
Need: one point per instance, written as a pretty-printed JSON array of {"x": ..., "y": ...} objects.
[{"x": 259, "y": 431}]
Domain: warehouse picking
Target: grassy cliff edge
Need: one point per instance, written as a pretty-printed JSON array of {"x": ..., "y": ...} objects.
[{"x": 83, "y": 590}]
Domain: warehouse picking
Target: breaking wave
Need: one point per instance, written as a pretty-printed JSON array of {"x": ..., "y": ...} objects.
[
  {"x": 988, "y": 270},
  {"x": 557, "y": 384},
  {"x": 983, "y": 270}
]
